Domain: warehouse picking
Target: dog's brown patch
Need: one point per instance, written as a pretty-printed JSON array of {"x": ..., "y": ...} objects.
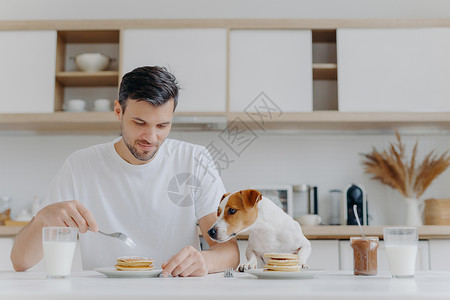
[{"x": 241, "y": 210}]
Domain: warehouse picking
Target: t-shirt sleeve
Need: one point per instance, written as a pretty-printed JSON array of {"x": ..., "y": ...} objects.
[
  {"x": 61, "y": 187},
  {"x": 211, "y": 185}
]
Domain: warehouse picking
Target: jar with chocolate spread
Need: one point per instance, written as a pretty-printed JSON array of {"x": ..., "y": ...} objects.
[{"x": 364, "y": 255}]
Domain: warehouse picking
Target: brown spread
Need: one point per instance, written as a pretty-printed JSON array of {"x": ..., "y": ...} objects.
[{"x": 364, "y": 255}]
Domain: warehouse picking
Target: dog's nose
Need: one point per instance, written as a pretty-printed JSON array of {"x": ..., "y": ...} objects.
[{"x": 212, "y": 232}]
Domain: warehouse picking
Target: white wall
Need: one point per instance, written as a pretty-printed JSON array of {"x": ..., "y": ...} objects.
[
  {"x": 142, "y": 9},
  {"x": 28, "y": 162}
]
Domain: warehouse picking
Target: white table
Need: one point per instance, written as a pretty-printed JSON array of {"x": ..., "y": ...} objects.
[{"x": 341, "y": 285}]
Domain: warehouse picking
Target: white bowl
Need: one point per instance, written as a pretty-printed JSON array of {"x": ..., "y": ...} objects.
[
  {"x": 75, "y": 105},
  {"x": 92, "y": 62},
  {"x": 102, "y": 105}
]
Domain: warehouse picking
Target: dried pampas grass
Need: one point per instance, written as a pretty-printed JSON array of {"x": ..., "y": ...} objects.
[{"x": 392, "y": 168}]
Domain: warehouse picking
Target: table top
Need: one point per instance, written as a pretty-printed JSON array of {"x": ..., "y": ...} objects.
[
  {"x": 88, "y": 285},
  {"x": 319, "y": 232}
]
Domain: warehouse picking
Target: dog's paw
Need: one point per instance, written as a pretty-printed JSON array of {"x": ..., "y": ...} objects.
[{"x": 245, "y": 267}]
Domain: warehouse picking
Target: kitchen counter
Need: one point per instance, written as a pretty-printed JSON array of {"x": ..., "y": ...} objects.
[
  {"x": 319, "y": 232},
  {"x": 337, "y": 285}
]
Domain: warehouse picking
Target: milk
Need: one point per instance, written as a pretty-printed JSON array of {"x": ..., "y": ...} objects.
[
  {"x": 58, "y": 258},
  {"x": 402, "y": 259}
]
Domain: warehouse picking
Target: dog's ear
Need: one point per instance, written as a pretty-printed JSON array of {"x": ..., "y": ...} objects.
[
  {"x": 250, "y": 198},
  {"x": 223, "y": 197}
]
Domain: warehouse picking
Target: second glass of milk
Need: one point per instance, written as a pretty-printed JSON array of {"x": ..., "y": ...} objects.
[
  {"x": 401, "y": 247},
  {"x": 59, "y": 245}
]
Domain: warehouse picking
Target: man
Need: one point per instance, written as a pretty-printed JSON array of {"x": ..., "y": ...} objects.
[{"x": 151, "y": 188}]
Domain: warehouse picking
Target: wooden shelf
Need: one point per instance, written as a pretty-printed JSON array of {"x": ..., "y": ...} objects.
[
  {"x": 105, "y": 122},
  {"x": 103, "y": 78},
  {"x": 324, "y": 71},
  {"x": 344, "y": 232},
  {"x": 90, "y": 36},
  {"x": 67, "y": 122},
  {"x": 335, "y": 120}
]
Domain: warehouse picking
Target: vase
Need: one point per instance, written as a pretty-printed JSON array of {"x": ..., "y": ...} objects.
[{"x": 413, "y": 212}]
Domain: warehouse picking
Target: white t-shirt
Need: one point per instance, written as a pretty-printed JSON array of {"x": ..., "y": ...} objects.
[{"x": 156, "y": 204}]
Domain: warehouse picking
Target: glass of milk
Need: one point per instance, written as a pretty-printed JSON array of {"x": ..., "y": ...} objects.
[
  {"x": 59, "y": 247},
  {"x": 401, "y": 247}
]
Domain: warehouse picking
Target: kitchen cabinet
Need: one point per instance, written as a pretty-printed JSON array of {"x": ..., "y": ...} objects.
[
  {"x": 6, "y": 244},
  {"x": 213, "y": 84},
  {"x": 394, "y": 69},
  {"x": 439, "y": 255},
  {"x": 422, "y": 260},
  {"x": 27, "y": 60},
  {"x": 275, "y": 63},
  {"x": 71, "y": 83},
  {"x": 197, "y": 58},
  {"x": 324, "y": 254}
]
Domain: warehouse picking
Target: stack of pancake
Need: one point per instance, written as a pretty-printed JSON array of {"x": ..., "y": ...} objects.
[
  {"x": 134, "y": 263},
  {"x": 284, "y": 262}
]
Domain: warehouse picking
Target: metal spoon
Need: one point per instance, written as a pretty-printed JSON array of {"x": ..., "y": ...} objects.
[{"x": 357, "y": 220}]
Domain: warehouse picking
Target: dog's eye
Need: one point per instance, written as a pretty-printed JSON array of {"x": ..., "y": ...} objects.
[{"x": 231, "y": 211}]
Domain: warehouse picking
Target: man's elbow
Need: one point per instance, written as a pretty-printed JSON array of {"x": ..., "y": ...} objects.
[{"x": 19, "y": 266}]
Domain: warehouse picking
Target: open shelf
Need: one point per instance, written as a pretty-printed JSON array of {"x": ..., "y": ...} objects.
[
  {"x": 324, "y": 71},
  {"x": 103, "y": 78},
  {"x": 89, "y": 36}
]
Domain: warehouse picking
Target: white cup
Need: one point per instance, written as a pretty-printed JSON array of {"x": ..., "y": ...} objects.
[
  {"x": 102, "y": 105},
  {"x": 75, "y": 105},
  {"x": 309, "y": 220},
  {"x": 59, "y": 245},
  {"x": 401, "y": 248}
]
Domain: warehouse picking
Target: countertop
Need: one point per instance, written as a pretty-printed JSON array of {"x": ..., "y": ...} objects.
[
  {"x": 337, "y": 285},
  {"x": 320, "y": 232}
]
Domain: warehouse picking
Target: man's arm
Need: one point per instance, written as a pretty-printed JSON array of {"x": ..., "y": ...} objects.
[
  {"x": 191, "y": 262},
  {"x": 27, "y": 250},
  {"x": 220, "y": 255}
]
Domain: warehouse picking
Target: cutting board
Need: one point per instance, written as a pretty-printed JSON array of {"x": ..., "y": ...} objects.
[{"x": 437, "y": 212}]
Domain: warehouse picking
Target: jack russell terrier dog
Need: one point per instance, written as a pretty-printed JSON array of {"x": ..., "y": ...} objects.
[{"x": 270, "y": 229}]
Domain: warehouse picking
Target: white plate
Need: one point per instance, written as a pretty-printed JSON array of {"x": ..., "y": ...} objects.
[
  {"x": 302, "y": 274},
  {"x": 111, "y": 272}
]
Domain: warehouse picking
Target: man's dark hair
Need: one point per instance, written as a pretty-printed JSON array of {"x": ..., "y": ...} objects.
[{"x": 154, "y": 85}]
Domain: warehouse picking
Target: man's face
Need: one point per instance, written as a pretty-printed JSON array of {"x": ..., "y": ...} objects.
[{"x": 144, "y": 128}]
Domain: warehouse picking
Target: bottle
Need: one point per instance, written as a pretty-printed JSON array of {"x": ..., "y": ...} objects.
[{"x": 335, "y": 207}]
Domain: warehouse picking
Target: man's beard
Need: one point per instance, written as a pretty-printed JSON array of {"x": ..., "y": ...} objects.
[{"x": 146, "y": 155}]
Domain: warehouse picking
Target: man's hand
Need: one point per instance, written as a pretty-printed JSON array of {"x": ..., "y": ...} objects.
[
  {"x": 188, "y": 262},
  {"x": 67, "y": 213}
]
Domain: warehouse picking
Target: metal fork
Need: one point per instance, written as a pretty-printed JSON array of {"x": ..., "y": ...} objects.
[
  {"x": 228, "y": 273},
  {"x": 121, "y": 237}
]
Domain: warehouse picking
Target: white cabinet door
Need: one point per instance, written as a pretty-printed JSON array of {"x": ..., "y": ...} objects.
[
  {"x": 27, "y": 72},
  {"x": 277, "y": 63},
  {"x": 393, "y": 69},
  {"x": 5, "y": 252},
  {"x": 242, "y": 248},
  {"x": 422, "y": 260},
  {"x": 439, "y": 253},
  {"x": 324, "y": 255},
  {"x": 197, "y": 58}
]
